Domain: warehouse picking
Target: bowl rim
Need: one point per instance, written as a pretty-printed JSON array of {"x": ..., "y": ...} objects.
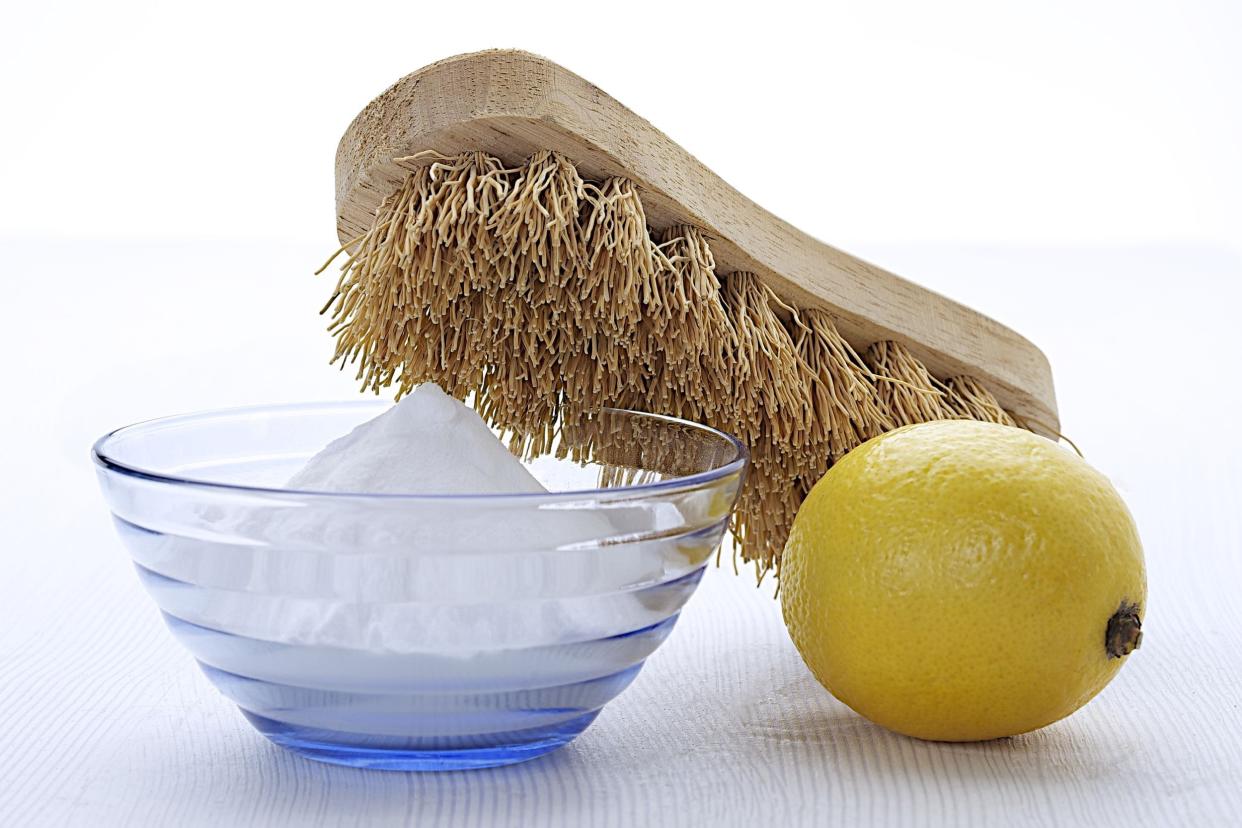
[{"x": 101, "y": 458}]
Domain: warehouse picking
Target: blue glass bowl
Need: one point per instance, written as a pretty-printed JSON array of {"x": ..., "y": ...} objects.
[{"x": 418, "y": 632}]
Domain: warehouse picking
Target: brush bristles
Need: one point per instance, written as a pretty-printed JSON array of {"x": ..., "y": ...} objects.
[
  {"x": 545, "y": 297},
  {"x": 971, "y": 401}
]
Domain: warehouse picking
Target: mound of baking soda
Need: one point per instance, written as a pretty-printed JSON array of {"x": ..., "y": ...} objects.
[
  {"x": 428, "y": 443},
  {"x": 451, "y": 575}
]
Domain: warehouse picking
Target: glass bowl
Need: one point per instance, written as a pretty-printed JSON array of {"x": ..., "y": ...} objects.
[{"x": 418, "y": 632}]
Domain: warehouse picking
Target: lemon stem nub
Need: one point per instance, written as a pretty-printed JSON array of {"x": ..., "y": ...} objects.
[{"x": 1125, "y": 631}]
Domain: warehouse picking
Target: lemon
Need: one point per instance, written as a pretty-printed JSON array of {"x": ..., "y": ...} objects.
[{"x": 959, "y": 580}]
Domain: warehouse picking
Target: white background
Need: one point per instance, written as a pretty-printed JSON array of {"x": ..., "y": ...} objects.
[
  {"x": 1110, "y": 120},
  {"x": 1069, "y": 168}
]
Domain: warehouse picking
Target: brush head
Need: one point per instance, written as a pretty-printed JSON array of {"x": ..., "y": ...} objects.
[{"x": 517, "y": 235}]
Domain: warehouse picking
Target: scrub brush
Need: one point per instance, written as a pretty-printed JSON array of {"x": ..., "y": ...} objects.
[{"x": 514, "y": 234}]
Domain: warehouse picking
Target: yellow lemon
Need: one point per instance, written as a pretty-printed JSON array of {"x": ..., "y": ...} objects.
[{"x": 959, "y": 580}]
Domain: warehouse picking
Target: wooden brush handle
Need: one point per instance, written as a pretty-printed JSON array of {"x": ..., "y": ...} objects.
[{"x": 512, "y": 103}]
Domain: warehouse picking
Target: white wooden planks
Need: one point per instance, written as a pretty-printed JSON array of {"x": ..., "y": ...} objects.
[{"x": 105, "y": 720}]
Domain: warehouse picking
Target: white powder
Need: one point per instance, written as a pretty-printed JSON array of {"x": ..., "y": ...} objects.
[
  {"x": 428, "y": 443},
  {"x": 456, "y": 576}
]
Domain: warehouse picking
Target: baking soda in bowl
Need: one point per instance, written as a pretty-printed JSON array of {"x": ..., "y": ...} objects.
[
  {"x": 419, "y": 575},
  {"x": 413, "y": 598}
]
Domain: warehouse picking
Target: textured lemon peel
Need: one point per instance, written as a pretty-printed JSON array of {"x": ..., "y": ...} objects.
[{"x": 545, "y": 296}]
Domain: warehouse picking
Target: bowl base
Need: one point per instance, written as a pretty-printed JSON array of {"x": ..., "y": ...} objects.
[{"x": 340, "y": 749}]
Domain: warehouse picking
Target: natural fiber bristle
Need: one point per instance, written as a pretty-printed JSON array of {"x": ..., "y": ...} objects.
[
  {"x": 907, "y": 391},
  {"x": 542, "y": 297},
  {"x": 693, "y": 374},
  {"x": 971, "y": 401}
]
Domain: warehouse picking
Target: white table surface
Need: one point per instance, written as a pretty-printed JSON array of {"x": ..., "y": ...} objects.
[{"x": 105, "y": 720}]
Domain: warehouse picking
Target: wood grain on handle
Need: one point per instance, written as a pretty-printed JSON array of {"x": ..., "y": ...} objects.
[{"x": 512, "y": 103}]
